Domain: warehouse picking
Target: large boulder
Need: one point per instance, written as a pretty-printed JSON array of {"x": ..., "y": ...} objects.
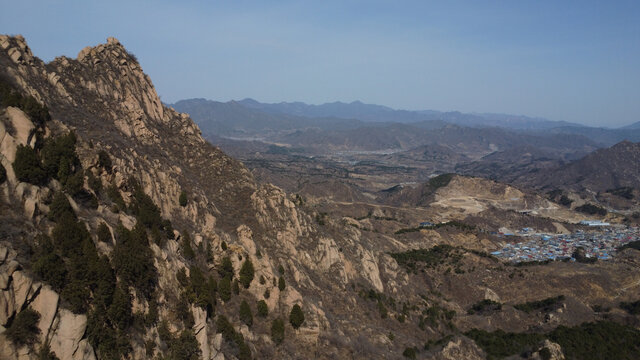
[
  {"x": 21, "y": 123},
  {"x": 84, "y": 352},
  {"x": 7, "y": 306},
  {"x": 200, "y": 330},
  {"x": 46, "y": 303},
  {"x": 21, "y": 288},
  {"x": 68, "y": 333},
  {"x": 548, "y": 351},
  {"x": 460, "y": 348}
]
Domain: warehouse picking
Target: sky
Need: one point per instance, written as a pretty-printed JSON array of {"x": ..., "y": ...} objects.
[{"x": 576, "y": 61}]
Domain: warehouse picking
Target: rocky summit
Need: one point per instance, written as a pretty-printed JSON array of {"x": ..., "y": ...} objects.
[{"x": 124, "y": 234}]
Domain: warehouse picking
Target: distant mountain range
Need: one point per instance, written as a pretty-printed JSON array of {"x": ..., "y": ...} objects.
[
  {"x": 378, "y": 113},
  {"x": 249, "y": 118},
  {"x": 635, "y": 125},
  {"x": 235, "y": 119}
]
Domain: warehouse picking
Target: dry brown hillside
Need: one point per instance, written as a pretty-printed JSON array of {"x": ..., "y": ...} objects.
[{"x": 125, "y": 235}]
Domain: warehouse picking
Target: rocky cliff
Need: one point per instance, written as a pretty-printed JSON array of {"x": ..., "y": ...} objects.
[
  {"x": 124, "y": 234},
  {"x": 110, "y": 105}
]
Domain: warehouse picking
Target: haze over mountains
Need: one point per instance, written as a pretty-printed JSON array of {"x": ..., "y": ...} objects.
[
  {"x": 252, "y": 118},
  {"x": 378, "y": 113},
  {"x": 347, "y": 150},
  {"x": 127, "y": 233}
]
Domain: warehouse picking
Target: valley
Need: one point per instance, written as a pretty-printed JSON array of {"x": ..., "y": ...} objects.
[{"x": 133, "y": 229}]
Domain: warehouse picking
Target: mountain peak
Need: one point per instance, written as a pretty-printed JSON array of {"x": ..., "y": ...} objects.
[
  {"x": 17, "y": 49},
  {"x": 113, "y": 52}
]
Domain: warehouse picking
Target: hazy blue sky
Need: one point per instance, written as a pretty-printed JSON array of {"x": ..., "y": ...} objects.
[{"x": 565, "y": 60}]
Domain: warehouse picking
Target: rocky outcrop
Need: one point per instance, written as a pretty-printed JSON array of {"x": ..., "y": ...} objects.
[
  {"x": 69, "y": 329},
  {"x": 460, "y": 348},
  {"x": 548, "y": 351},
  {"x": 46, "y": 304},
  {"x": 334, "y": 272},
  {"x": 60, "y": 328}
]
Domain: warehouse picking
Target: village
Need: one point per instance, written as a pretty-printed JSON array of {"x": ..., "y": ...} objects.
[{"x": 600, "y": 243}]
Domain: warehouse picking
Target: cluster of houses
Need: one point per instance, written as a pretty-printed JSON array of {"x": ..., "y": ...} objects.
[{"x": 600, "y": 244}]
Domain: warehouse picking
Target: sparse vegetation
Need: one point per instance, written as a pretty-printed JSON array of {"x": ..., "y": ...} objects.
[
  {"x": 546, "y": 305},
  {"x": 500, "y": 344},
  {"x": 429, "y": 258},
  {"x": 410, "y": 353},
  {"x": 185, "y": 244},
  {"x": 625, "y": 192},
  {"x": 433, "y": 343},
  {"x": 598, "y": 340},
  {"x": 591, "y": 209},
  {"x": 24, "y": 330},
  {"x": 631, "y": 307},
  {"x": 27, "y": 166},
  {"x": 224, "y": 289},
  {"x": 104, "y": 234},
  {"x": 277, "y": 331},
  {"x": 246, "y": 273},
  {"x": 631, "y": 245},
  {"x": 133, "y": 259},
  {"x": 185, "y": 346},
  {"x": 114, "y": 195},
  {"x": 60, "y": 207},
  {"x": 39, "y": 114},
  {"x": 48, "y": 265},
  {"x": 484, "y": 307},
  {"x": 440, "y": 181},
  {"x": 183, "y": 198},
  {"x": 245, "y": 313},
  {"x": 560, "y": 197},
  {"x": 94, "y": 182},
  {"x": 45, "y": 353},
  {"x": 455, "y": 224},
  {"x": 59, "y": 158},
  {"x": 263, "y": 309},
  {"x": 231, "y": 336},
  {"x": 296, "y": 317},
  {"x": 226, "y": 268},
  {"x": 104, "y": 161},
  {"x": 580, "y": 255},
  {"x": 3, "y": 174}
]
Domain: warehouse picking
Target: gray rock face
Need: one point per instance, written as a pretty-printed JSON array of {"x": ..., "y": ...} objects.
[
  {"x": 46, "y": 303},
  {"x": 460, "y": 348},
  {"x": 62, "y": 329},
  {"x": 550, "y": 348},
  {"x": 68, "y": 332}
]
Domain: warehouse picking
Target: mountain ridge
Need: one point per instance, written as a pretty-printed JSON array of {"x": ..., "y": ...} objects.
[
  {"x": 381, "y": 113},
  {"x": 127, "y": 235}
]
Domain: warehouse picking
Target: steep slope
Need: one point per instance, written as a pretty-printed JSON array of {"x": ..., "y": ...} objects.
[
  {"x": 455, "y": 197},
  {"x": 111, "y": 105},
  {"x": 604, "y": 169},
  {"x": 511, "y": 164},
  {"x": 126, "y": 235}
]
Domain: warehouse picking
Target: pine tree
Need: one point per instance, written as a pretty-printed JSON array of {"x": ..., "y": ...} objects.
[
  {"x": 246, "y": 273},
  {"x": 183, "y": 198},
  {"x": 277, "y": 331},
  {"x": 245, "y": 313},
  {"x": 224, "y": 289},
  {"x": 296, "y": 317},
  {"x": 263, "y": 309}
]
